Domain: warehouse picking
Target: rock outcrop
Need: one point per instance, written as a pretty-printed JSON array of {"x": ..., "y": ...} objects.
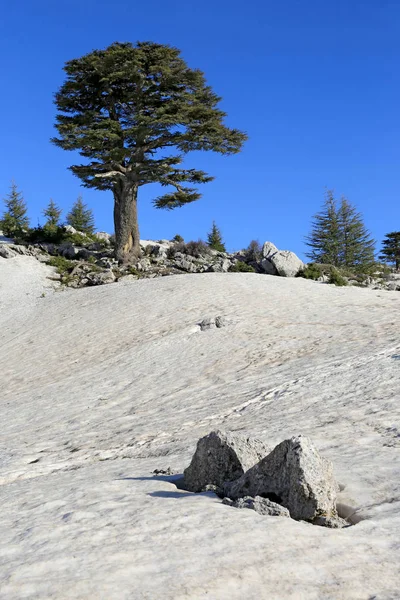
[
  {"x": 220, "y": 458},
  {"x": 92, "y": 254}
]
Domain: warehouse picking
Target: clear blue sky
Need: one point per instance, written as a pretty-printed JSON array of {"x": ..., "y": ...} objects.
[{"x": 314, "y": 84}]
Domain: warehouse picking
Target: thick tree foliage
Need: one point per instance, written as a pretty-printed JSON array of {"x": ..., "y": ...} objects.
[
  {"x": 325, "y": 236},
  {"x": 357, "y": 247},
  {"x": 391, "y": 249},
  {"x": 81, "y": 217},
  {"x": 134, "y": 112},
  {"x": 338, "y": 236},
  {"x": 214, "y": 239},
  {"x": 15, "y": 219}
]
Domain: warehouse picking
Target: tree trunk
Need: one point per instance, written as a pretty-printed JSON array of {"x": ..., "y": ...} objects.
[{"x": 127, "y": 248}]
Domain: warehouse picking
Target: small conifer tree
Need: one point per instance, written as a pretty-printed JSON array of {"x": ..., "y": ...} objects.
[
  {"x": 81, "y": 217},
  {"x": 325, "y": 237},
  {"x": 357, "y": 247},
  {"x": 15, "y": 219},
  {"x": 52, "y": 214},
  {"x": 339, "y": 236},
  {"x": 391, "y": 249},
  {"x": 214, "y": 239}
]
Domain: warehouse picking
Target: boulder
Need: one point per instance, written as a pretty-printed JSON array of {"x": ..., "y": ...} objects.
[
  {"x": 104, "y": 237},
  {"x": 221, "y": 457},
  {"x": 184, "y": 264},
  {"x": 268, "y": 267},
  {"x": 280, "y": 262},
  {"x": 293, "y": 475},
  {"x": 262, "y": 506},
  {"x": 11, "y": 250},
  {"x": 68, "y": 250},
  {"x": 70, "y": 229},
  {"x": 160, "y": 248},
  {"x": 6, "y": 251},
  {"x": 269, "y": 249},
  {"x": 144, "y": 264},
  {"x": 95, "y": 278},
  {"x": 287, "y": 263},
  {"x": 221, "y": 266}
]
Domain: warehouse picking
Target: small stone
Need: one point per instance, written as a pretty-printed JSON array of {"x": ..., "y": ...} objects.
[
  {"x": 207, "y": 323},
  {"x": 220, "y": 322},
  {"x": 331, "y": 522},
  {"x": 262, "y": 506}
]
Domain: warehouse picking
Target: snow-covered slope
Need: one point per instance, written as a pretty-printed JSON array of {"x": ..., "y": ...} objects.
[{"x": 101, "y": 386}]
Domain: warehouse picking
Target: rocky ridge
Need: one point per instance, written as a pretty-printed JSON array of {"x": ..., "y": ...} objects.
[{"x": 92, "y": 262}]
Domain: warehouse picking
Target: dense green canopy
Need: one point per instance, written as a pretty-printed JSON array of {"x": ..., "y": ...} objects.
[{"x": 134, "y": 112}]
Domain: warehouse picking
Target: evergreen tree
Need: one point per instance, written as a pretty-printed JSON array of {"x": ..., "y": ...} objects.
[
  {"x": 122, "y": 108},
  {"x": 81, "y": 217},
  {"x": 325, "y": 236},
  {"x": 339, "y": 237},
  {"x": 53, "y": 214},
  {"x": 391, "y": 249},
  {"x": 214, "y": 239},
  {"x": 357, "y": 247},
  {"x": 15, "y": 219}
]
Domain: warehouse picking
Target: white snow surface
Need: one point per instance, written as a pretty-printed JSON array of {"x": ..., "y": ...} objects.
[{"x": 100, "y": 386}]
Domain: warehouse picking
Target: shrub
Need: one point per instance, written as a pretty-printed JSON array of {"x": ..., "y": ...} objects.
[
  {"x": 253, "y": 252},
  {"x": 336, "y": 278},
  {"x": 311, "y": 271},
  {"x": 241, "y": 267},
  {"x": 63, "y": 265},
  {"x": 196, "y": 249},
  {"x": 177, "y": 238},
  {"x": 37, "y": 235},
  {"x": 316, "y": 270},
  {"x": 58, "y": 235}
]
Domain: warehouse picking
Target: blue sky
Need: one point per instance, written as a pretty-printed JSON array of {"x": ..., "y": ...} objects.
[{"x": 314, "y": 84}]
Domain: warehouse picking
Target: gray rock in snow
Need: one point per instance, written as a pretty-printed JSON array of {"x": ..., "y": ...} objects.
[
  {"x": 262, "y": 506},
  {"x": 293, "y": 475},
  {"x": 221, "y": 457},
  {"x": 212, "y": 323}
]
